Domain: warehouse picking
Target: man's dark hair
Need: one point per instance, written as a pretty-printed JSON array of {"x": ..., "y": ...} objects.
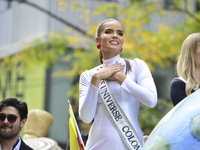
[{"x": 19, "y": 105}]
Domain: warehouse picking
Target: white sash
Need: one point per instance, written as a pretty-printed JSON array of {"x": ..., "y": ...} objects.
[{"x": 119, "y": 119}]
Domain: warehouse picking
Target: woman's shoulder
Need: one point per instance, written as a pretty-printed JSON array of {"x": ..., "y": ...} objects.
[
  {"x": 138, "y": 64},
  {"x": 178, "y": 82},
  {"x": 136, "y": 61},
  {"x": 177, "y": 90}
]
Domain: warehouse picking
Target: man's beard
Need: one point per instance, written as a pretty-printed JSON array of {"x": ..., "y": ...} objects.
[{"x": 12, "y": 133}]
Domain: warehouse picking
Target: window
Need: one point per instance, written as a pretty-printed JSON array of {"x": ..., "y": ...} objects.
[
  {"x": 168, "y": 4},
  {"x": 197, "y": 6},
  {"x": 4, "y": 5}
]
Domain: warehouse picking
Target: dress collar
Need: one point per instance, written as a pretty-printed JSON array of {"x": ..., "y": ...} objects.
[{"x": 109, "y": 62}]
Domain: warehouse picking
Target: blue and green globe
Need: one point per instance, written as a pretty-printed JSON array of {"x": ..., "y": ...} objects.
[{"x": 179, "y": 129}]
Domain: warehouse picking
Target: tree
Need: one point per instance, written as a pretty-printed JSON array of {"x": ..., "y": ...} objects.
[{"x": 156, "y": 47}]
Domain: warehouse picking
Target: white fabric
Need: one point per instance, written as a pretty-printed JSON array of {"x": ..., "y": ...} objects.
[
  {"x": 137, "y": 87},
  {"x": 182, "y": 79}
]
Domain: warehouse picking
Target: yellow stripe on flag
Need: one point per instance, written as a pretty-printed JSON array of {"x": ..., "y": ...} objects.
[{"x": 73, "y": 134}]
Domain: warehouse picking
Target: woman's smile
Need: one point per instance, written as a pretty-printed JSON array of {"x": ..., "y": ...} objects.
[{"x": 114, "y": 42}]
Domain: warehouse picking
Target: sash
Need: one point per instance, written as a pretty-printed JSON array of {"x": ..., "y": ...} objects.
[{"x": 119, "y": 119}]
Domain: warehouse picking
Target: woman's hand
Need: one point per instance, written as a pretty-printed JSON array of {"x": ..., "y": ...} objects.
[
  {"x": 106, "y": 72},
  {"x": 118, "y": 76},
  {"x": 145, "y": 137}
]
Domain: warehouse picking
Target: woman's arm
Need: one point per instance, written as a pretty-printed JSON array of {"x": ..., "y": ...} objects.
[
  {"x": 144, "y": 90},
  {"x": 89, "y": 89},
  {"x": 88, "y": 97}
]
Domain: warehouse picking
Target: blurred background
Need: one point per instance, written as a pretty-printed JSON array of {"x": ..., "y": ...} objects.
[{"x": 46, "y": 44}]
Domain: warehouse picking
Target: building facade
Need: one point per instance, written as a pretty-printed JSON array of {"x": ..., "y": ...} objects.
[{"x": 25, "y": 20}]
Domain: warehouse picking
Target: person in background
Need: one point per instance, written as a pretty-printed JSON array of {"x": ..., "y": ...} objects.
[
  {"x": 188, "y": 69},
  {"x": 130, "y": 82},
  {"x": 13, "y": 116}
]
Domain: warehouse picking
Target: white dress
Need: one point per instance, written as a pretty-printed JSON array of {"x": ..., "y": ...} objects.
[{"x": 138, "y": 87}]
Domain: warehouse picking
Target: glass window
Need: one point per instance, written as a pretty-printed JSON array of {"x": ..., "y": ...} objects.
[
  {"x": 197, "y": 6},
  {"x": 4, "y": 5},
  {"x": 168, "y": 3}
]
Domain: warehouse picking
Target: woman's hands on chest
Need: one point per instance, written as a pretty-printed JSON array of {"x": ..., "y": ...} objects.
[{"x": 113, "y": 72}]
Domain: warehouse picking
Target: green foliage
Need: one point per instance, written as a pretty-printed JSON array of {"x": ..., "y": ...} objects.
[
  {"x": 149, "y": 117},
  {"x": 42, "y": 50},
  {"x": 159, "y": 46},
  {"x": 111, "y": 10}
]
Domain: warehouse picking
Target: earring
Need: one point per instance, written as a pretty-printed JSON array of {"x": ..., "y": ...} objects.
[
  {"x": 121, "y": 50},
  {"x": 98, "y": 46}
]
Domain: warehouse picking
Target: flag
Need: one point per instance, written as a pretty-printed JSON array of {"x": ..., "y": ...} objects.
[{"x": 75, "y": 139}]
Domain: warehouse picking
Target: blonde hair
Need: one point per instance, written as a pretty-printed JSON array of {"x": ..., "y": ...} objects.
[{"x": 187, "y": 64}]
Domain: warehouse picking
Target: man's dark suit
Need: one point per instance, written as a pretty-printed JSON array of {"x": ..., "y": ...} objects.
[{"x": 24, "y": 146}]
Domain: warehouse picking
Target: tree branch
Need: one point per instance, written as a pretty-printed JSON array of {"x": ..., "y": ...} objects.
[
  {"x": 186, "y": 11},
  {"x": 53, "y": 15}
]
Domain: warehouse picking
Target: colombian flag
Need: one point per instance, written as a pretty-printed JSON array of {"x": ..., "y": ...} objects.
[{"x": 76, "y": 142}]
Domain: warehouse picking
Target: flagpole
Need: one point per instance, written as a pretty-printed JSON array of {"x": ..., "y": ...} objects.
[{"x": 79, "y": 134}]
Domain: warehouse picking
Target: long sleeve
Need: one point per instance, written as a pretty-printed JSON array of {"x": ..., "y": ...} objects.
[
  {"x": 138, "y": 87},
  {"x": 144, "y": 89},
  {"x": 88, "y": 98}
]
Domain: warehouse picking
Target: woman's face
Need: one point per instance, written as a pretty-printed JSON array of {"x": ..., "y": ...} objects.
[
  {"x": 111, "y": 39},
  {"x": 198, "y": 56}
]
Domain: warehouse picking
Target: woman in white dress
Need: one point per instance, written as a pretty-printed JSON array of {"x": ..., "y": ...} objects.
[{"x": 130, "y": 82}]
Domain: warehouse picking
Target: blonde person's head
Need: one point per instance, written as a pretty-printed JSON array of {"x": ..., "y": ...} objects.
[{"x": 187, "y": 63}]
